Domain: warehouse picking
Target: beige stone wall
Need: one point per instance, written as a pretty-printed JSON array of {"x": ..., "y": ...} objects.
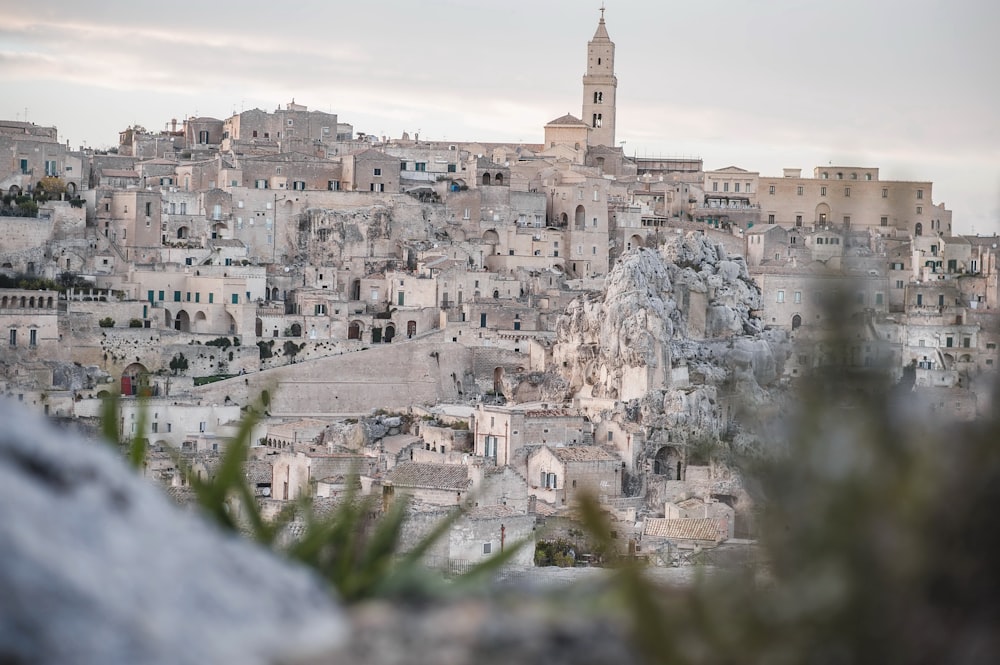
[{"x": 846, "y": 196}]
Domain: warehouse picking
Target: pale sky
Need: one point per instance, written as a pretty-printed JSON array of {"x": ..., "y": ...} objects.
[{"x": 909, "y": 86}]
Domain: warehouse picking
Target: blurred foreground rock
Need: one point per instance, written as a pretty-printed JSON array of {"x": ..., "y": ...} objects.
[{"x": 99, "y": 567}]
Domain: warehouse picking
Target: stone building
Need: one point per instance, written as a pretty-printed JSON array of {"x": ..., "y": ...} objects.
[
  {"x": 851, "y": 198},
  {"x": 561, "y": 473}
]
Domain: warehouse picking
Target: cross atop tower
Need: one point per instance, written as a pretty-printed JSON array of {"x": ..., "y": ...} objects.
[{"x": 602, "y": 12}]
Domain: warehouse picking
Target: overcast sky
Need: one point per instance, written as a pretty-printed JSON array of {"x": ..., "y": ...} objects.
[{"x": 910, "y": 86}]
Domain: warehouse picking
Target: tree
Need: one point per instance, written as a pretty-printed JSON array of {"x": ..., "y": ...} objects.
[
  {"x": 178, "y": 363},
  {"x": 106, "y": 322},
  {"x": 50, "y": 187}
]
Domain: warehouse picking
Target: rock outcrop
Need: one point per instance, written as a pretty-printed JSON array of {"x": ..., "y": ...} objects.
[
  {"x": 672, "y": 342},
  {"x": 667, "y": 318}
]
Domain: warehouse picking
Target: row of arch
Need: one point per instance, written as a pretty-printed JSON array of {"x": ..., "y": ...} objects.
[
  {"x": 27, "y": 302},
  {"x": 184, "y": 323},
  {"x": 494, "y": 179}
]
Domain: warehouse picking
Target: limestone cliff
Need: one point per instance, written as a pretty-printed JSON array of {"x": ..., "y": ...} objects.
[{"x": 672, "y": 340}]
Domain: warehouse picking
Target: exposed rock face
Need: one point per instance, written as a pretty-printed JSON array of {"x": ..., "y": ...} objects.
[
  {"x": 667, "y": 317},
  {"x": 99, "y": 567}
]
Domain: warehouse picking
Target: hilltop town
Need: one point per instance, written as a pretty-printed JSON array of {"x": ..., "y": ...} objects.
[{"x": 497, "y": 325}]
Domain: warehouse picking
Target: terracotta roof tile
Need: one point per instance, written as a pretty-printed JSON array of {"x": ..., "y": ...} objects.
[
  {"x": 682, "y": 529},
  {"x": 438, "y": 476}
]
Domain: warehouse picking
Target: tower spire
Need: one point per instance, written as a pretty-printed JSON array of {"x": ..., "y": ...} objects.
[{"x": 600, "y": 86}]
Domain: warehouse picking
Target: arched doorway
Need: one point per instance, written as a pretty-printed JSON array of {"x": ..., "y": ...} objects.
[
  {"x": 356, "y": 290},
  {"x": 134, "y": 379},
  {"x": 200, "y": 322},
  {"x": 822, "y": 214},
  {"x": 498, "y": 380},
  {"x": 296, "y": 330},
  {"x": 669, "y": 462},
  {"x": 486, "y": 178},
  {"x": 182, "y": 322},
  {"x": 354, "y": 330},
  {"x": 796, "y": 321},
  {"x": 498, "y": 180},
  {"x": 918, "y": 229},
  {"x": 376, "y": 335},
  {"x": 411, "y": 328},
  {"x": 564, "y": 219},
  {"x": 390, "y": 332},
  {"x": 168, "y": 318},
  {"x": 182, "y": 233},
  {"x": 635, "y": 242},
  {"x": 491, "y": 237},
  {"x": 258, "y": 327},
  {"x": 580, "y": 218}
]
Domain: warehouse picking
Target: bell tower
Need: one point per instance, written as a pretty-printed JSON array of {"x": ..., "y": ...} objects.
[{"x": 600, "y": 87}]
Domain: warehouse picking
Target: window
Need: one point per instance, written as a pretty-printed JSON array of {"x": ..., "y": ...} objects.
[
  {"x": 883, "y": 221},
  {"x": 899, "y": 283},
  {"x": 211, "y": 298},
  {"x": 319, "y": 310},
  {"x": 487, "y": 548},
  {"x": 798, "y": 297},
  {"x": 770, "y": 219},
  {"x": 597, "y": 120},
  {"x": 402, "y": 166},
  {"x": 920, "y": 300},
  {"x": 452, "y": 168},
  {"x": 13, "y": 337},
  {"x": 201, "y": 426},
  {"x": 260, "y": 183},
  {"x": 885, "y": 192},
  {"x": 299, "y": 185},
  {"x": 420, "y": 166},
  {"x": 798, "y": 222},
  {"x": 878, "y": 298},
  {"x": 770, "y": 189},
  {"x": 920, "y": 210},
  {"x": 847, "y": 220},
  {"x": 149, "y": 208},
  {"x": 490, "y": 446},
  {"x": 155, "y": 427},
  {"x": 847, "y": 191},
  {"x": 377, "y": 172},
  {"x": 798, "y": 190},
  {"x": 725, "y": 186},
  {"x": 333, "y": 185},
  {"x": 781, "y": 296},
  {"x": 736, "y": 187},
  {"x": 236, "y": 299},
  {"x": 715, "y": 187},
  {"x": 822, "y": 191},
  {"x": 177, "y": 296},
  {"x": 920, "y": 193}
]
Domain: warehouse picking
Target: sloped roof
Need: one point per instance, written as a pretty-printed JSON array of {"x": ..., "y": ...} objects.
[
  {"x": 119, "y": 173},
  {"x": 582, "y": 454},
  {"x": 567, "y": 119},
  {"x": 257, "y": 471},
  {"x": 437, "y": 476},
  {"x": 682, "y": 529}
]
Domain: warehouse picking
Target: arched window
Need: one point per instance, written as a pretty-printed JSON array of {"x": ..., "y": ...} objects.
[
  {"x": 918, "y": 230},
  {"x": 498, "y": 180}
]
